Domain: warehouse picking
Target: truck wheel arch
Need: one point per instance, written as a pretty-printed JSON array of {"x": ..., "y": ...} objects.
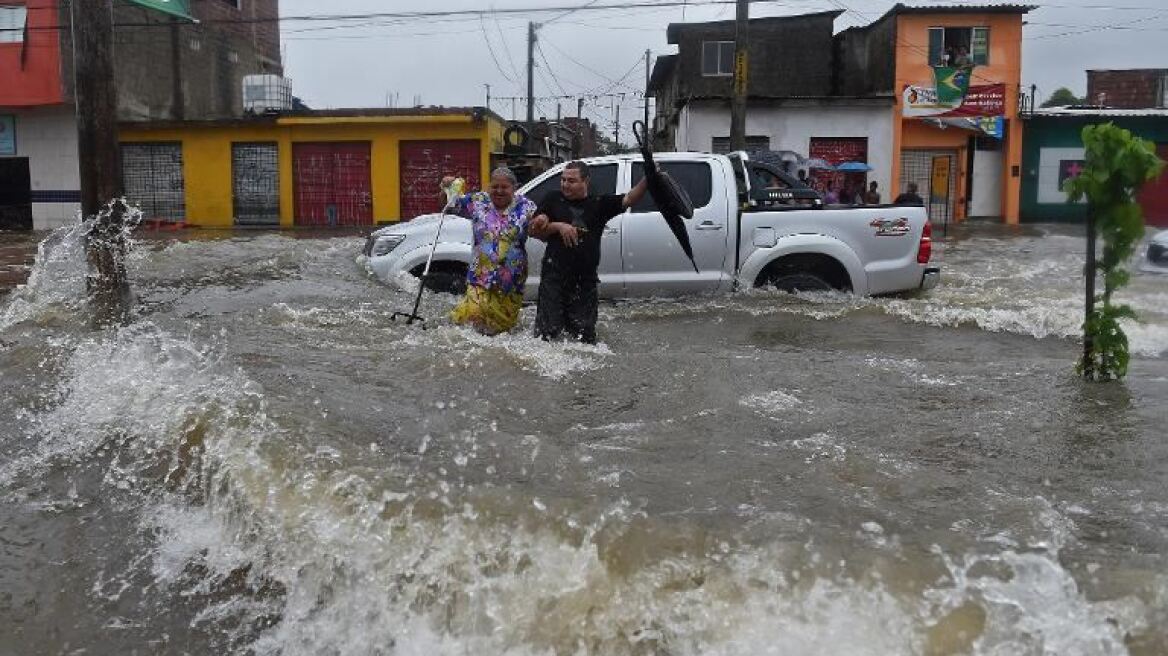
[{"x": 824, "y": 257}]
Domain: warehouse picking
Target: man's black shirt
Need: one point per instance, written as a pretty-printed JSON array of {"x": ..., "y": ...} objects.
[{"x": 589, "y": 215}]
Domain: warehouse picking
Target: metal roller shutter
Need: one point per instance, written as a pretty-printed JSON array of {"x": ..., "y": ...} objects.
[
  {"x": 423, "y": 165},
  {"x": 332, "y": 184}
]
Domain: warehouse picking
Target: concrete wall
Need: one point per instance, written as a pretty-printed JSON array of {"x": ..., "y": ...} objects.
[
  {"x": 207, "y": 155},
  {"x": 47, "y": 136},
  {"x": 171, "y": 70},
  {"x": 791, "y": 125},
  {"x": 789, "y": 56}
]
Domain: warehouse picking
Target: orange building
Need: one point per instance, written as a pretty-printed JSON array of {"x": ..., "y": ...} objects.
[
  {"x": 981, "y": 171},
  {"x": 956, "y": 74}
]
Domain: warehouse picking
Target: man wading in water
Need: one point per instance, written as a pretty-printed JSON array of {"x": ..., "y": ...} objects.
[{"x": 572, "y": 222}]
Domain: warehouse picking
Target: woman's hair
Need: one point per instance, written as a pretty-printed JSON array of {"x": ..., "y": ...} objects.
[{"x": 504, "y": 172}]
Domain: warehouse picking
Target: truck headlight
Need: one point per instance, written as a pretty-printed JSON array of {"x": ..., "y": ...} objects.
[{"x": 385, "y": 244}]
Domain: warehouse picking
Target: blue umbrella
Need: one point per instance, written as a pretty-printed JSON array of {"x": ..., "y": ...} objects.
[{"x": 853, "y": 167}]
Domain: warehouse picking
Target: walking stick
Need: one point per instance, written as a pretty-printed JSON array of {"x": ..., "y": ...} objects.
[{"x": 452, "y": 192}]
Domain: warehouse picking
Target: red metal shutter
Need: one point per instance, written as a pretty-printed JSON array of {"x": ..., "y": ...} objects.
[
  {"x": 423, "y": 165},
  {"x": 332, "y": 184},
  {"x": 837, "y": 150},
  {"x": 1153, "y": 197}
]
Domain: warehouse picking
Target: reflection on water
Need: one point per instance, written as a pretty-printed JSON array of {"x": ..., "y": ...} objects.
[{"x": 263, "y": 461}]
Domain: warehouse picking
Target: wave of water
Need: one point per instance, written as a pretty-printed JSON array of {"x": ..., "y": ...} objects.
[{"x": 293, "y": 544}]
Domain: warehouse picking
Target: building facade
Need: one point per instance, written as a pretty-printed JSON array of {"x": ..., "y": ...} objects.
[
  {"x": 1054, "y": 152},
  {"x": 165, "y": 69},
  {"x": 866, "y": 94},
  {"x": 326, "y": 168},
  {"x": 795, "y": 101}
]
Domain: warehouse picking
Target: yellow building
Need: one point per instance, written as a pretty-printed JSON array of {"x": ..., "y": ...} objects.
[{"x": 319, "y": 168}]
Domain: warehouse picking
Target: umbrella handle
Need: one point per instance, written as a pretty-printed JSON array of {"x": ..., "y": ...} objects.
[
  {"x": 646, "y": 147},
  {"x": 639, "y": 133}
]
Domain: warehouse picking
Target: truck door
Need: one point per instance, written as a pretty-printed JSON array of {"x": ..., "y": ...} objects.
[
  {"x": 654, "y": 263},
  {"x": 602, "y": 181}
]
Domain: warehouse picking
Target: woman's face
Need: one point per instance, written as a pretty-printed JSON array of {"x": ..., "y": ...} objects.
[{"x": 502, "y": 192}]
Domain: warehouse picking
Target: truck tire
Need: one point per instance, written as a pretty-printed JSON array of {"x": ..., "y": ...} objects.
[
  {"x": 444, "y": 278},
  {"x": 799, "y": 282},
  {"x": 805, "y": 272}
]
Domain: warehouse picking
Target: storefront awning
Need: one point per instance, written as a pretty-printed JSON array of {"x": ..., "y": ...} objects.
[{"x": 179, "y": 8}]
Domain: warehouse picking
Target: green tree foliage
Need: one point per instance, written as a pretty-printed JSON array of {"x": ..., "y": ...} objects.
[
  {"x": 1117, "y": 165},
  {"x": 1061, "y": 97}
]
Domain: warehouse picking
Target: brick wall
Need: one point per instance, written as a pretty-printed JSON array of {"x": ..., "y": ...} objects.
[{"x": 1127, "y": 89}]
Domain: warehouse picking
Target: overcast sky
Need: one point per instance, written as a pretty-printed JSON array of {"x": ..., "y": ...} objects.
[{"x": 447, "y": 60}]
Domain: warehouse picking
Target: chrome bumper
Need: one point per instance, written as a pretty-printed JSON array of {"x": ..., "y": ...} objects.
[{"x": 930, "y": 278}]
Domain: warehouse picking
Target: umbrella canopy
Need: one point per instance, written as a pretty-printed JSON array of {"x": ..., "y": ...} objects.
[
  {"x": 853, "y": 167},
  {"x": 671, "y": 199}
]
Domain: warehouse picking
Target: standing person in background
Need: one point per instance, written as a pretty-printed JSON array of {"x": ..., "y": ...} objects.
[
  {"x": 831, "y": 197},
  {"x": 572, "y": 223},
  {"x": 873, "y": 196},
  {"x": 910, "y": 196},
  {"x": 498, "y": 271}
]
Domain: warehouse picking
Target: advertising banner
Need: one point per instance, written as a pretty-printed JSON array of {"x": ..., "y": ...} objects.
[{"x": 978, "y": 101}]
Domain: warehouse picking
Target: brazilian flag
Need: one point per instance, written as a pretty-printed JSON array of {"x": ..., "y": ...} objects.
[
  {"x": 952, "y": 84},
  {"x": 179, "y": 8}
]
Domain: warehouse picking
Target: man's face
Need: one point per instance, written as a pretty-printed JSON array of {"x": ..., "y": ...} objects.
[
  {"x": 573, "y": 185},
  {"x": 502, "y": 192}
]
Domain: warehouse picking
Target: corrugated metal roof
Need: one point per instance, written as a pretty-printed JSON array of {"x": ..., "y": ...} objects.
[
  {"x": 902, "y": 8},
  {"x": 1090, "y": 112}
]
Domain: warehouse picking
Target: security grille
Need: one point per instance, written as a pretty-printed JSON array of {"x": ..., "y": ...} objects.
[
  {"x": 152, "y": 175},
  {"x": 917, "y": 166},
  {"x": 255, "y": 181}
]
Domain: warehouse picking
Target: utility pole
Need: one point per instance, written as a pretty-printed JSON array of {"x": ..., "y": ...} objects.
[
  {"x": 616, "y": 128},
  {"x": 648, "y": 73},
  {"x": 741, "y": 61},
  {"x": 488, "y": 95},
  {"x": 579, "y": 108},
  {"x": 559, "y": 107},
  {"x": 100, "y": 164},
  {"x": 530, "y": 76}
]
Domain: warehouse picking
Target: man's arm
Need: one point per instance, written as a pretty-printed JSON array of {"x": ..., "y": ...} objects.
[
  {"x": 636, "y": 193},
  {"x": 543, "y": 228}
]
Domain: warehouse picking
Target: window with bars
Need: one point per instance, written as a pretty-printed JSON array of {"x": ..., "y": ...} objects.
[
  {"x": 717, "y": 58},
  {"x": 12, "y": 23},
  {"x": 959, "y": 46}
]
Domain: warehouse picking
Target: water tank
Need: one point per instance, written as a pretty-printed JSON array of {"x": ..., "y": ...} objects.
[{"x": 264, "y": 94}]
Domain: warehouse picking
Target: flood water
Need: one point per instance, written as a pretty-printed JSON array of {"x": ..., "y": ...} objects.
[{"x": 262, "y": 462}]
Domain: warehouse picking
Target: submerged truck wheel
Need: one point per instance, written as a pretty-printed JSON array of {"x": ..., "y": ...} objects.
[
  {"x": 445, "y": 277},
  {"x": 807, "y": 272}
]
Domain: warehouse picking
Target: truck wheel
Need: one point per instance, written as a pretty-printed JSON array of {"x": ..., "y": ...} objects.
[
  {"x": 799, "y": 282},
  {"x": 445, "y": 279}
]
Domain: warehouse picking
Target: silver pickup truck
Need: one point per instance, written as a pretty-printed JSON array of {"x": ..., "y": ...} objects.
[{"x": 740, "y": 238}]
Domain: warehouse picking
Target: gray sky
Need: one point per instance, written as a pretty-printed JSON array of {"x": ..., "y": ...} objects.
[{"x": 446, "y": 61}]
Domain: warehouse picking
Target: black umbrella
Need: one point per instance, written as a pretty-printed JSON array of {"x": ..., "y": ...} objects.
[{"x": 672, "y": 201}]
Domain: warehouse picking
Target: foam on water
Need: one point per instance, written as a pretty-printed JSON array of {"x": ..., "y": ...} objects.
[{"x": 332, "y": 556}]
